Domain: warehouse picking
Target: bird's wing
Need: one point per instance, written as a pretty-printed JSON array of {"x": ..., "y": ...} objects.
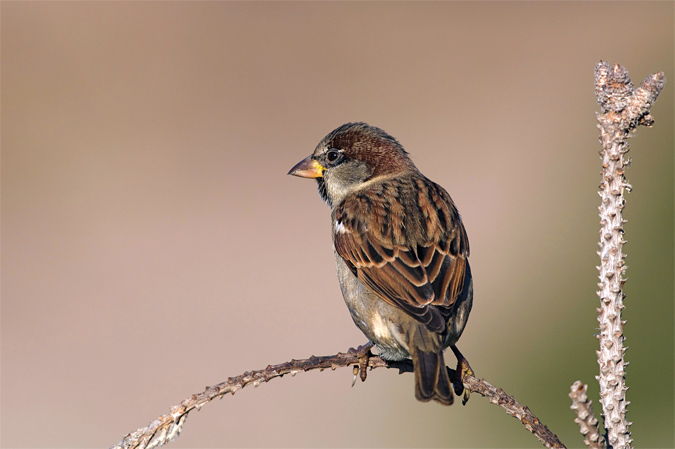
[{"x": 416, "y": 260}]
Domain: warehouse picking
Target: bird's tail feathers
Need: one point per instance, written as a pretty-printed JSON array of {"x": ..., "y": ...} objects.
[{"x": 431, "y": 376}]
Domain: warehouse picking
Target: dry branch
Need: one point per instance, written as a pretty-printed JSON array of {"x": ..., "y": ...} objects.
[
  {"x": 623, "y": 109},
  {"x": 167, "y": 427},
  {"x": 588, "y": 424}
]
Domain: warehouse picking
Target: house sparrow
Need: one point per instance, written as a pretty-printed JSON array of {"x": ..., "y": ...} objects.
[{"x": 401, "y": 252}]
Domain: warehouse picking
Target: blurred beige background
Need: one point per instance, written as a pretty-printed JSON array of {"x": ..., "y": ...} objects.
[{"x": 152, "y": 243}]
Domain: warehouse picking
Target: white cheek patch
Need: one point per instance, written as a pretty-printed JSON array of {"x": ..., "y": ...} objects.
[{"x": 340, "y": 228}]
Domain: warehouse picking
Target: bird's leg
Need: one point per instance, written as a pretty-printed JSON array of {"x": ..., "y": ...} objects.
[
  {"x": 463, "y": 368},
  {"x": 363, "y": 353}
]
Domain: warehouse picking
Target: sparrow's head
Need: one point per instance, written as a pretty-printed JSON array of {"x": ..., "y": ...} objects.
[{"x": 351, "y": 156}]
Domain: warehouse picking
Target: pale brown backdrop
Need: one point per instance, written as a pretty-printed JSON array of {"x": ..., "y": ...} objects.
[{"x": 152, "y": 243}]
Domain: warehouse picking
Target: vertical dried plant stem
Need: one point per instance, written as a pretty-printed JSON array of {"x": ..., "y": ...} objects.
[
  {"x": 588, "y": 424},
  {"x": 612, "y": 268},
  {"x": 623, "y": 108}
]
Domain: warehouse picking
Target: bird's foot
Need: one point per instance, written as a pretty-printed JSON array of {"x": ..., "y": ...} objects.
[
  {"x": 363, "y": 353},
  {"x": 463, "y": 369}
]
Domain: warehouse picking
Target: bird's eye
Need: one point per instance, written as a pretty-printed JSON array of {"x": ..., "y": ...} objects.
[{"x": 332, "y": 155}]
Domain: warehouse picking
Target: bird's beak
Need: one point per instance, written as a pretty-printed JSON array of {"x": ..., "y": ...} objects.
[{"x": 307, "y": 168}]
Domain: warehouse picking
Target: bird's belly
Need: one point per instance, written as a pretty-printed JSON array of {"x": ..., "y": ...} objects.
[{"x": 376, "y": 318}]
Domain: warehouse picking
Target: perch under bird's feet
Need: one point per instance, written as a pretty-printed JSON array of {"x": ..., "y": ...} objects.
[
  {"x": 463, "y": 368},
  {"x": 363, "y": 353}
]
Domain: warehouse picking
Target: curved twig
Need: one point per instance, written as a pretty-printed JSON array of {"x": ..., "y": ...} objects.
[{"x": 167, "y": 427}]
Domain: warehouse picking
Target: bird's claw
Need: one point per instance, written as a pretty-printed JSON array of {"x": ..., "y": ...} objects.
[
  {"x": 463, "y": 369},
  {"x": 363, "y": 353}
]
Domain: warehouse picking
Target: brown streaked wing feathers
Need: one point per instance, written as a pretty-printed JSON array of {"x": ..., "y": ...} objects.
[{"x": 412, "y": 277}]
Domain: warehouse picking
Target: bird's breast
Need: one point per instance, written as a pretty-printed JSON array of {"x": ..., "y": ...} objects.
[{"x": 378, "y": 320}]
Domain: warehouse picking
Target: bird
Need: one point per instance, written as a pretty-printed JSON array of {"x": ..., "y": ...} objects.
[{"x": 401, "y": 253}]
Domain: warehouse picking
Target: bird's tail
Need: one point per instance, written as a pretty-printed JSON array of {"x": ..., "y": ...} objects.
[{"x": 431, "y": 376}]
